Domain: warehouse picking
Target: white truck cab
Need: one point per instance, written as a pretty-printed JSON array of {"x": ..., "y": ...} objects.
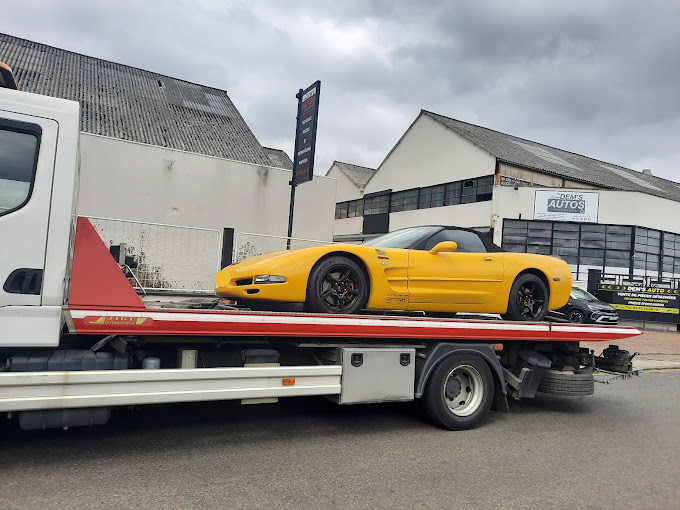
[{"x": 38, "y": 193}]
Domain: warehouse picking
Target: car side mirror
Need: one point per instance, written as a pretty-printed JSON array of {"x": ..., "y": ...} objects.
[{"x": 443, "y": 247}]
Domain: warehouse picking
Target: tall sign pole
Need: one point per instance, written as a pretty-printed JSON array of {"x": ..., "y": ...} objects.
[{"x": 305, "y": 144}]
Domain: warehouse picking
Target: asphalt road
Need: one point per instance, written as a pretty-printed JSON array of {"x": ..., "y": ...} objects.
[{"x": 619, "y": 448}]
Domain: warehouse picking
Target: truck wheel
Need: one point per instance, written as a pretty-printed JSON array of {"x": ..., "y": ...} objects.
[
  {"x": 336, "y": 285},
  {"x": 459, "y": 392},
  {"x": 567, "y": 383},
  {"x": 528, "y": 300}
]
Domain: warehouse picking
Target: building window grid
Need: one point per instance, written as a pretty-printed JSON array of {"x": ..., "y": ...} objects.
[
  {"x": 355, "y": 208},
  {"x": 636, "y": 250},
  {"x": 432, "y": 196},
  {"x": 468, "y": 191},
  {"x": 376, "y": 205}
]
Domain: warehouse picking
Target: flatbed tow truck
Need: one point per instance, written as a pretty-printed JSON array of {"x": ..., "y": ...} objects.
[{"x": 76, "y": 339}]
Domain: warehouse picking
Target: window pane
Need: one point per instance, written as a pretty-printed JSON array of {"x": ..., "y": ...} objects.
[
  {"x": 17, "y": 161},
  {"x": 431, "y": 197},
  {"x": 452, "y": 193},
  {"x": 341, "y": 210},
  {"x": 469, "y": 192},
  {"x": 397, "y": 202},
  {"x": 484, "y": 188},
  {"x": 411, "y": 200},
  {"x": 376, "y": 205},
  {"x": 355, "y": 208}
]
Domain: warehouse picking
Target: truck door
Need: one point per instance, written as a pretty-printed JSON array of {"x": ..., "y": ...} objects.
[{"x": 27, "y": 154}]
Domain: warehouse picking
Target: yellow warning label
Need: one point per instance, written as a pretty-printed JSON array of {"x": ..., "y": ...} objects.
[
  {"x": 640, "y": 308},
  {"x": 109, "y": 320}
]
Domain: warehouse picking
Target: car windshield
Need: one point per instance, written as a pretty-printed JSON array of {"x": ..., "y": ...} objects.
[
  {"x": 577, "y": 293},
  {"x": 403, "y": 238}
]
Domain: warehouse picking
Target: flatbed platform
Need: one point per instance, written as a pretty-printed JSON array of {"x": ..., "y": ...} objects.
[{"x": 230, "y": 323}]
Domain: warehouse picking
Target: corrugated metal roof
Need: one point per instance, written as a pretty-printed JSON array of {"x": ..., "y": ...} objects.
[
  {"x": 359, "y": 175},
  {"x": 278, "y": 158},
  {"x": 532, "y": 155},
  {"x": 132, "y": 104}
]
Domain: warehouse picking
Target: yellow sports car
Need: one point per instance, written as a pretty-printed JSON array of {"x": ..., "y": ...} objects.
[{"x": 430, "y": 268}]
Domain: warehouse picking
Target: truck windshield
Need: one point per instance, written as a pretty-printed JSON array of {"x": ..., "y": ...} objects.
[{"x": 404, "y": 238}]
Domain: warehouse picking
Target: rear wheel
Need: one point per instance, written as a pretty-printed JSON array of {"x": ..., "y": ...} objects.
[
  {"x": 336, "y": 285},
  {"x": 528, "y": 300},
  {"x": 459, "y": 392}
]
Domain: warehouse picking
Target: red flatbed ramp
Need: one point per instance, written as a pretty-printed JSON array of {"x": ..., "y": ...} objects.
[{"x": 299, "y": 325}]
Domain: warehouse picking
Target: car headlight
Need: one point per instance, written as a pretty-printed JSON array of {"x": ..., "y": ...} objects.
[{"x": 269, "y": 278}]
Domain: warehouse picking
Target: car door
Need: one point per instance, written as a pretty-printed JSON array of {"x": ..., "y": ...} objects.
[
  {"x": 27, "y": 152},
  {"x": 469, "y": 275}
]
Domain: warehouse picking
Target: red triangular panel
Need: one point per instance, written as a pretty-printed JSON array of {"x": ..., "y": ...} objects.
[{"x": 96, "y": 279}]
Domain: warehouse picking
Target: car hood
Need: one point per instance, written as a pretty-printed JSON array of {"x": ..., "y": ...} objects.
[
  {"x": 600, "y": 305},
  {"x": 277, "y": 255}
]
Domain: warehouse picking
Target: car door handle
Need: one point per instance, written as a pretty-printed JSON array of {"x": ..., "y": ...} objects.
[{"x": 489, "y": 259}]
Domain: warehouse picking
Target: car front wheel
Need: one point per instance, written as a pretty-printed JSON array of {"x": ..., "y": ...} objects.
[
  {"x": 336, "y": 285},
  {"x": 576, "y": 316},
  {"x": 528, "y": 300}
]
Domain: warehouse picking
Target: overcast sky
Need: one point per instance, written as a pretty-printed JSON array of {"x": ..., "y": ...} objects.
[{"x": 596, "y": 77}]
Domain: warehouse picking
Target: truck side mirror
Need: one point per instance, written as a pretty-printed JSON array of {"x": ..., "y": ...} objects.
[{"x": 443, "y": 247}]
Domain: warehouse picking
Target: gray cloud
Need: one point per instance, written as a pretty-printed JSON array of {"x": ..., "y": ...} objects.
[{"x": 597, "y": 78}]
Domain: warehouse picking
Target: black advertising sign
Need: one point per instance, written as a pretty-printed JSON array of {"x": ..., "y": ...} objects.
[
  {"x": 642, "y": 302},
  {"x": 305, "y": 133}
]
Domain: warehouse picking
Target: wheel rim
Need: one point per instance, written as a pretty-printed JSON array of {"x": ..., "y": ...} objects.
[
  {"x": 530, "y": 300},
  {"x": 463, "y": 390},
  {"x": 576, "y": 317},
  {"x": 340, "y": 287}
]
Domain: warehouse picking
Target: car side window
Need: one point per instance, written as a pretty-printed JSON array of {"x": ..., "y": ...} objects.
[
  {"x": 467, "y": 241},
  {"x": 19, "y": 144}
]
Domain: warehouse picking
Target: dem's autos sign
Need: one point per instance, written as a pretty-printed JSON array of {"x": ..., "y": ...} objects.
[{"x": 566, "y": 205}]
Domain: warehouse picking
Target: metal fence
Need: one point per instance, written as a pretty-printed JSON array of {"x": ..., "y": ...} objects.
[
  {"x": 247, "y": 244},
  {"x": 171, "y": 258}
]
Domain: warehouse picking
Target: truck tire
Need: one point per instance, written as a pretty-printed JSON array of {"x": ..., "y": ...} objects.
[
  {"x": 568, "y": 383},
  {"x": 459, "y": 392}
]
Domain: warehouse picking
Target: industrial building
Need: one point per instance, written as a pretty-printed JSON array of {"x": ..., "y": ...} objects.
[
  {"x": 530, "y": 197},
  {"x": 160, "y": 149}
]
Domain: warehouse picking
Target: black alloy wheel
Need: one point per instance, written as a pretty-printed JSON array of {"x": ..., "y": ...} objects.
[
  {"x": 528, "y": 299},
  {"x": 576, "y": 316},
  {"x": 336, "y": 285}
]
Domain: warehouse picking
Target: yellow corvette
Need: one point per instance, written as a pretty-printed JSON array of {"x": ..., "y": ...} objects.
[{"x": 431, "y": 268}]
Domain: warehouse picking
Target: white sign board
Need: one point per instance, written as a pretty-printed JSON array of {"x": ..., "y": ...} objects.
[{"x": 559, "y": 205}]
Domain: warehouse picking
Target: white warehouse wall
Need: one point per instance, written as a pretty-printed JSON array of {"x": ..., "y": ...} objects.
[
  {"x": 128, "y": 180},
  {"x": 463, "y": 215},
  {"x": 346, "y": 190},
  {"x": 428, "y": 154}
]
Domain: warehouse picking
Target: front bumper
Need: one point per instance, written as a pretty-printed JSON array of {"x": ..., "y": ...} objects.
[
  {"x": 604, "y": 317},
  {"x": 239, "y": 284}
]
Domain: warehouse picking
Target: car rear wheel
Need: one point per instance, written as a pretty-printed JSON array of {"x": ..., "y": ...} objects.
[
  {"x": 528, "y": 300},
  {"x": 336, "y": 285},
  {"x": 576, "y": 316}
]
